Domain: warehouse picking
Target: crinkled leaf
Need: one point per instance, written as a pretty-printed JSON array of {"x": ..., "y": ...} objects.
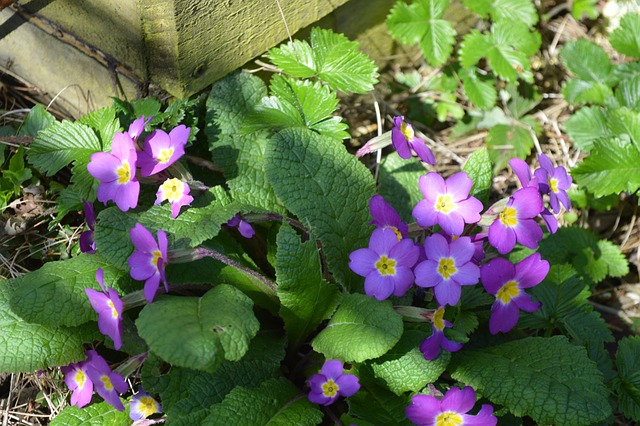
[
  {"x": 199, "y": 333},
  {"x": 587, "y": 125},
  {"x": 481, "y": 93},
  {"x": 97, "y": 414},
  {"x": 624, "y": 123},
  {"x": 275, "y": 402},
  {"x": 474, "y": 47},
  {"x": 105, "y": 123},
  {"x": 522, "y": 11},
  {"x": 548, "y": 379},
  {"x": 37, "y": 119},
  {"x": 628, "y": 92},
  {"x": 331, "y": 57},
  {"x": 478, "y": 167},
  {"x": 627, "y": 382},
  {"x": 398, "y": 184},
  {"x": 586, "y": 60},
  {"x": 626, "y": 38},
  {"x": 362, "y": 328},
  {"x": 509, "y": 141},
  {"x": 578, "y": 91}
]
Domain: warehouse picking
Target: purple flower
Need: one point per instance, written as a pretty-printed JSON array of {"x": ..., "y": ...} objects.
[
  {"x": 447, "y": 268},
  {"x": 108, "y": 384},
  {"x": 430, "y": 347},
  {"x": 405, "y": 141},
  {"x": 149, "y": 259},
  {"x": 177, "y": 192},
  {"x": 507, "y": 283},
  {"x": 385, "y": 216},
  {"x": 109, "y": 308},
  {"x": 143, "y": 406},
  {"x": 87, "y": 244},
  {"x": 523, "y": 172},
  {"x": 77, "y": 380},
  {"x": 555, "y": 182},
  {"x": 137, "y": 127},
  {"x": 386, "y": 264},
  {"x": 116, "y": 173},
  {"x": 515, "y": 222},
  {"x": 451, "y": 410},
  {"x": 162, "y": 150},
  {"x": 447, "y": 203},
  {"x": 245, "y": 228},
  {"x": 327, "y": 386}
]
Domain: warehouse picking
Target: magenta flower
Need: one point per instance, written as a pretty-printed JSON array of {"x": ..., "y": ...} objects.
[
  {"x": 555, "y": 182},
  {"x": 331, "y": 383},
  {"x": 451, "y": 410},
  {"x": 515, "y": 222},
  {"x": 244, "y": 227},
  {"x": 87, "y": 244},
  {"x": 385, "y": 216},
  {"x": 447, "y": 203},
  {"x": 405, "y": 141},
  {"x": 143, "y": 406},
  {"x": 148, "y": 260},
  {"x": 162, "y": 150},
  {"x": 447, "y": 268},
  {"x": 109, "y": 308},
  {"x": 430, "y": 347},
  {"x": 137, "y": 127},
  {"x": 507, "y": 283},
  {"x": 386, "y": 264},
  {"x": 177, "y": 192},
  {"x": 108, "y": 384},
  {"x": 523, "y": 172},
  {"x": 77, "y": 380},
  {"x": 116, "y": 173}
]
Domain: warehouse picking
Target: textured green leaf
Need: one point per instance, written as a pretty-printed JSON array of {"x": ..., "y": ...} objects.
[
  {"x": 362, "y": 328},
  {"x": 105, "y": 123},
  {"x": 331, "y": 57},
  {"x": 627, "y": 383},
  {"x": 199, "y": 333},
  {"x": 626, "y": 38},
  {"x": 586, "y": 60},
  {"x": 404, "y": 368},
  {"x": 587, "y": 125},
  {"x": 508, "y": 141},
  {"x": 480, "y": 170},
  {"x": 628, "y": 92},
  {"x": 305, "y": 298},
  {"x": 522, "y": 11},
  {"x": 548, "y": 379},
  {"x": 97, "y": 414},
  {"x": 481, "y": 93},
  {"x": 474, "y": 47},
  {"x": 327, "y": 189},
  {"x": 275, "y": 402},
  {"x": 624, "y": 123},
  {"x": 398, "y": 184},
  {"x": 612, "y": 167},
  {"x": 581, "y": 8},
  {"x": 37, "y": 119},
  {"x": 578, "y": 91}
]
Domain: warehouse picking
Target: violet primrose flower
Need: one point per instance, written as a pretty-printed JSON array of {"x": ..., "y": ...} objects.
[
  {"x": 149, "y": 259},
  {"x": 451, "y": 410},
  {"x": 137, "y": 127},
  {"x": 405, "y": 141},
  {"x": 430, "y": 347},
  {"x": 87, "y": 244},
  {"x": 162, "y": 150},
  {"x": 507, "y": 283},
  {"x": 555, "y": 182},
  {"x": 244, "y": 227},
  {"x": 331, "y": 383},
  {"x": 447, "y": 268},
  {"x": 177, "y": 192},
  {"x": 385, "y": 216},
  {"x": 386, "y": 264},
  {"x": 77, "y": 380},
  {"x": 521, "y": 169},
  {"x": 108, "y": 384},
  {"x": 143, "y": 406},
  {"x": 109, "y": 308},
  {"x": 447, "y": 203},
  {"x": 116, "y": 173}
]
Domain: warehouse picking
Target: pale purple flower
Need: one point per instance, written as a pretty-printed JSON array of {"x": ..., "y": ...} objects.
[
  {"x": 149, "y": 259},
  {"x": 554, "y": 181},
  {"x": 405, "y": 142},
  {"x": 108, "y": 384},
  {"x": 162, "y": 150},
  {"x": 77, "y": 380},
  {"x": 137, "y": 127},
  {"x": 109, "y": 308},
  {"x": 447, "y": 203},
  {"x": 176, "y": 192},
  {"x": 523, "y": 172},
  {"x": 451, "y": 410},
  {"x": 515, "y": 222},
  {"x": 430, "y": 347},
  {"x": 507, "y": 283},
  {"x": 331, "y": 383},
  {"x": 385, "y": 216},
  {"x": 87, "y": 243},
  {"x": 386, "y": 264},
  {"x": 143, "y": 405},
  {"x": 244, "y": 227},
  {"x": 116, "y": 173},
  {"x": 447, "y": 268}
]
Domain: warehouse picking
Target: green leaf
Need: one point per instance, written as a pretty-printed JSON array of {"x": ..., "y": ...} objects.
[
  {"x": 578, "y": 91},
  {"x": 97, "y": 414},
  {"x": 275, "y": 402},
  {"x": 330, "y": 57},
  {"x": 199, "y": 333},
  {"x": 404, "y": 368},
  {"x": 627, "y": 382},
  {"x": 474, "y": 47},
  {"x": 626, "y": 38},
  {"x": 478, "y": 168},
  {"x": 306, "y": 299},
  {"x": 581, "y": 8},
  {"x": 522, "y": 11},
  {"x": 328, "y": 189},
  {"x": 420, "y": 22},
  {"x": 362, "y": 328},
  {"x": 508, "y": 141},
  {"x": 585, "y": 126},
  {"x": 105, "y": 123},
  {"x": 612, "y": 167},
  {"x": 625, "y": 124},
  {"x": 548, "y": 379},
  {"x": 37, "y": 119},
  {"x": 628, "y": 92},
  {"x": 480, "y": 92},
  {"x": 586, "y": 60},
  {"x": 398, "y": 184}
]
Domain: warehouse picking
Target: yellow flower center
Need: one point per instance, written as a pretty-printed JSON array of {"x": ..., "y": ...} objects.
[
  {"x": 114, "y": 312},
  {"x": 407, "y": 131},
  {"x": 147, "y": 406},
  {"x": 80, "y": 378},
  {"x": 106, "y": 381},
  {"x": 156, "y": 255},
  {"x": 449, "y": 418},
  {"x": 444, "y": 203},
  {"x": 553, "y": 184},
  {"x": 447, "y": 267},
  {"x": 438, "y": 319},
  {"x": 124, "y": 173},
  {"x": 386, "y": 266},
  {"x": 508, "y": 292},
  {"x": 172, "y": 190},
  {"x": 330, "y": 388},
  {"x": 165, "y": 155},
  {"x": 396, "y": 230},
  {"x": 508, "y": 217}
]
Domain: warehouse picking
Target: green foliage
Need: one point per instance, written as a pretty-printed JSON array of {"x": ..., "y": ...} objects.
[
  {"x": 98, "y": 414},
  {"x": 480, "y": 90},
  {"x": 581, "y": 8},
  {"x": 521, "y": 11},
  {"x": 37, "y": 119},
  {"x": 13, "y": 177},
  {"x": 593, "y": 73},
  {"x": 627, "y": 382},
  {"x": 626, "y": 38},
  {"x": 478, "y": 167},
  {"x": 587, "y": 125}
]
